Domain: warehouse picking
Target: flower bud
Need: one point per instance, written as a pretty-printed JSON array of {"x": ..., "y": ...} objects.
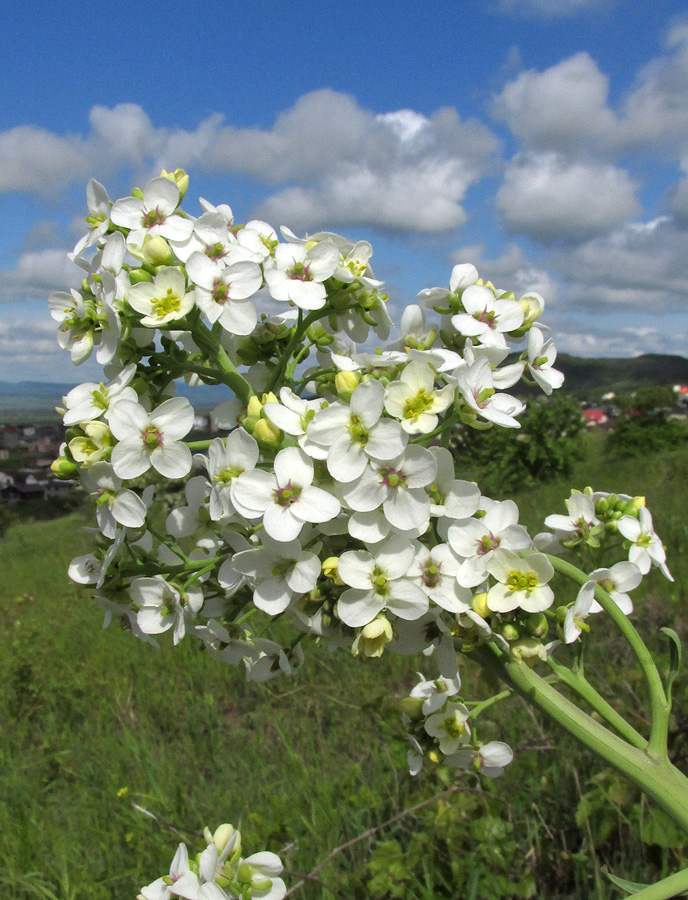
[
  {"x": 528, "y": 650},
  {"x": 330, "y": 569},
  {"x": 479, "y": 604},
  {"x": 373, "y": 637},
  {"x": 319, "y": 336},
  {"x": 267, "y": 434},
  {"x": 63, "y": 468},
  {"x": 345, "y": 384},
  {"x": 634, "y": 506},
  {"x": 532, "y": 306},
  {"x": 254, "y": 407},
  {"x": 155, "y": 251},
  {"x": 537, "y": 625},
  {"x": 136, "y": 276},
  {"x": 180, "y": 178},
  {"x": 223, "y": 835},
  {"x": 412, "y": 707},
  {"x": 510, "y": 632}
]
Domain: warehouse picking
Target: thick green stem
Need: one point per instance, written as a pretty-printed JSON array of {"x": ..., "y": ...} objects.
[
  {"x": 587, "y": 692},
  {"x": 210, "y": 343},
  {"x": 659, "y": 704},
  {"x": 652, "y": 773}
]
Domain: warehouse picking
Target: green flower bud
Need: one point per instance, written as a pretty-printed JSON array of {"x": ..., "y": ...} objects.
[
  {"x": 63, "y": 468},
  {"x": 537, "y": 625},
  {"x": 412, "y": 707},
  {"x": 510, "y": 632},
  {"x": 267, "y": 434},
  {"x": 138, "y": 275},
  {"x": 180, "y": 178}
]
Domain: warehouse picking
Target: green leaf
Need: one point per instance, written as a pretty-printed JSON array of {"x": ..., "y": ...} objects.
[
  {"x": 631, "y": 887},
  {"x": 660, "y": 830},
  {"x": 674, "y": 658}
]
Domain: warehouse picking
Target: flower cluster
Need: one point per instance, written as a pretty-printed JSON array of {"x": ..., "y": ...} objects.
[
  {"x": 328, "y": 494},
  {"x": 220, "y": 872}
]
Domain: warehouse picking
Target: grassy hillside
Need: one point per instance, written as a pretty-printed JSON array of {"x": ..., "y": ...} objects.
[{"x": 93, "y": 721}]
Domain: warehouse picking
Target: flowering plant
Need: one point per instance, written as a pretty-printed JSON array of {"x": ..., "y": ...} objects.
[{"x": 329, "y": 496}]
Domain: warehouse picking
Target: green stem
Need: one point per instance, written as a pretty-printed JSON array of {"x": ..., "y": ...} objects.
[
  {"x": 653, "y": 774},
  {"x": 659, "y": 704},
  {"x": 587, "y": 692},
  {"x": 210, "y": 343},
  {"x": 447, "y": 423}
]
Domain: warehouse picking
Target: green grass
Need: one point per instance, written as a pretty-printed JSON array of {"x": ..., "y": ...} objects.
[{"x": 94, "y": 720}]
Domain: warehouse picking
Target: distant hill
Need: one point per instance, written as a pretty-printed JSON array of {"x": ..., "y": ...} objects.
[
  {"x": 585, "y": 379},
  {"x": 41, "y": 398},
  {"x": 590, "y": 378}
]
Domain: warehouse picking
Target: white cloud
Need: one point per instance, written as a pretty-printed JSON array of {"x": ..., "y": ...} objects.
[
  {"x": 397, "y": 170},
  {"x": 620, "y": 342},
  {"x": 656, "y": 112},
  {"x": 29, "y": 352},
  {"x": 510, "y": 271},
  {"x": 37, "y": 274},
  {"x": 641, "y": 266},
  {"x": 550, "y": 198},
  {"x": 563, "y": 108},
  {"x": 551, "y": 9},
  {"x": 338, "y": 162}
]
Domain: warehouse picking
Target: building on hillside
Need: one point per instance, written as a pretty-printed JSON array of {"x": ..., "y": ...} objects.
[{"x": 595, "y": 417}]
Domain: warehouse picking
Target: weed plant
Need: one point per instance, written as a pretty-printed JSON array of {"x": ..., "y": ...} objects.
[{"x": 94, "y": 722}]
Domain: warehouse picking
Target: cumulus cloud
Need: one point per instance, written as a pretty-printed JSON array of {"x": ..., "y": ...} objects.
[
  {"x": 29, "y": 352},
  {"x": 399, "y": 170},
  {"x": 620, "y": 342},
  {"x": 36, "y": 274},
  {"x": 337, "y": 162},
  {"x": 563, "y": 108},
  {"x": 550, "y": 198},
  {"x": 656, "y": 112},
  {"x": 642, "y": 266},
  {"x": 510, "y": 270}
]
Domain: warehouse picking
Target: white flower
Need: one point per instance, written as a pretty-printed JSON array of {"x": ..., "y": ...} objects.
[
  {"x": 398, "y": 486},
  {"x": 476, "y": 540},
  {"x": 487, "y": 317},
  {"x": 356, "y": 433},
  {"x": 646, "y": 548},
  {"x": 151, "y": 439},
  {"x": 98, "y": 219},
  {"x": 225, "y": 464},
  {"x": 622, "y": 577},
  {"x": 476, "y": 383},
  {"x": 285, "y": 499},
  {"x": 163, "y": 300},
  {"x": 161, "y": 889},
  {"x": 522, "y": 583},
  {"x": 463, "y": 276},
  {"x": 280, "y": 571},
  {"x": 449, "y": 726},
  {"x": 378, "y": 582},
  {"x": 541, "y": 357},
  {"x": 581, "y": 517},
  {"x": 90, "y": 401},
  {"x": 434, "y": 569},
  {"x": 414, "y": 401},
  {"x": 163, "y": 606},
  {"x": 450, "y": 496},
  {"x": 222, "y": 293},
  {"x": 292, "y": 415},
  {"x": 434, "y": 693},
  {"x": 491, "y": 758},
  {"x": 299, "y": 273},
  {"x": 574, "y": 622},
  {"x": 154, "y": 214},
  {"x": 114, "y": 505}
]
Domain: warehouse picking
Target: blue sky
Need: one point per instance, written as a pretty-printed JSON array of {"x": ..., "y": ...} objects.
[{"x": 544, "y": 140}]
